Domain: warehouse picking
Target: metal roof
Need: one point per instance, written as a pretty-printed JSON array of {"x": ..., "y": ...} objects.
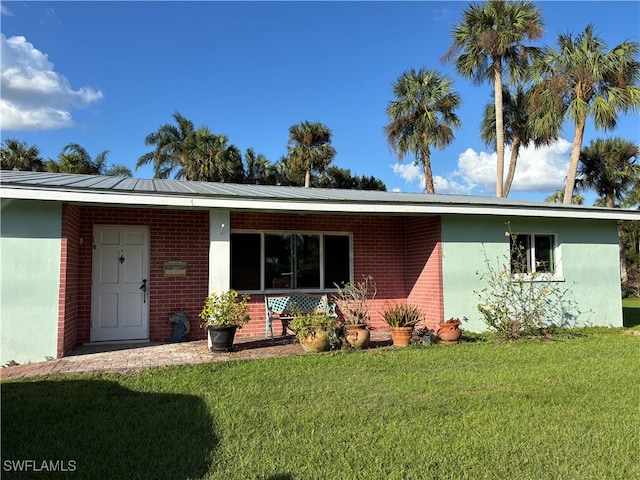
[{"x": 95, "y": 189}]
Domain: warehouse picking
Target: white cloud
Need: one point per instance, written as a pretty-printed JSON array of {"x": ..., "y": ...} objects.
[
  {"x": 34, "y": 95},
  {"x": 538, "y": 170}
]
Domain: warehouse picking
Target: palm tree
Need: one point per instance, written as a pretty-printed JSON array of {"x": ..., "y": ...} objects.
[
  {"x": 609, "y": 167},
  {"x": 258, "y": 169},
  {"x": 558, "y": 195},
  {"x": 75, "y": 159},
  {"x": 212, "y": 159},
  {"x": 581, "y": 79},
  {"x": 489, "y": 41},
  {"x": 173, "y": 146},
  {"x": 518, "y": 129},
  {"x": 310, "y": 148},
  {"x": 18, "y": 156},
  {"x": 422, "y": 116}
]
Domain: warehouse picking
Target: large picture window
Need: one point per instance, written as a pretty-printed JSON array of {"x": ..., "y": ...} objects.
[
  {"x": 533, "y": 254},
  {"x": 289, "y": 261}
]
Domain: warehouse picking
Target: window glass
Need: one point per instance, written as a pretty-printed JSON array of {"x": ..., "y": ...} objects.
[
  {"x": 278, "y": 269},
  {"x": 245, "y": 261},
  {"x": 544, "y": 253},
  {"x": 336, "y": 260},
  {"x": 290, "y": 261},
  {"x": 532, "y": 253}
]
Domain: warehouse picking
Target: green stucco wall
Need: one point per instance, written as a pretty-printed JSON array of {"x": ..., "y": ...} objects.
[
  {"x": 589, "y": 254},
  {"x": 29, "y": 279}
]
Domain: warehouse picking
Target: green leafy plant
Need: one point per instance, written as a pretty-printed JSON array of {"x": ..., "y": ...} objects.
[
  {"x": 402, "y": 315},
  {"x": 305, "y": 325},
  {"x": 517, "y": 304},
  {"x": 352, "y": 300},
  {"x": 226, "y": 309}
]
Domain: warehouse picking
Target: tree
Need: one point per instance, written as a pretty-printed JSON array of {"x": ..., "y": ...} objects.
[
  {"x": 335, "y": 177},
  {"x": 18, "y": 156},
  {"x": 518, "y": 128},
  {"x": 558, "y": 196},
  {"x": 489, "y": 41},
  {"x": 422, "y": 115},
  {"x": 310, "y": 148},
  {"x": 212, "y": 159},
  {"x": 75, "y": 159},
  {"x": 258, "y": 170},
  {"x": 173, "y": 146},
  {"x": 581, "y": 79},
  {"x": 609, "y": 167}
]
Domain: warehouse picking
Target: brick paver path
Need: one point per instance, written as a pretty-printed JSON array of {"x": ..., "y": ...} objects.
[{"x": 131, "y": 358}]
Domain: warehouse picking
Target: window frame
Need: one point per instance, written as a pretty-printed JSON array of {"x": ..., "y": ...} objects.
[
  {"x": 532, "y": 275},
  {"x": 321, "y": 234}
]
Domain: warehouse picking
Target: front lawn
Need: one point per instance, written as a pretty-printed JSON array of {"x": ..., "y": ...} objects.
[{"x": 528, "y": 410}]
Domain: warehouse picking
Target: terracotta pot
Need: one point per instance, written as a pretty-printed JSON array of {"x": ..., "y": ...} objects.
[
  {"x": 318, "y": 341},
  {"x": 401, "y": 336},
  {"x": 357, "y": 336},
  {"x": 221, "y": 338},
  {"x": 449, "y": 333}
]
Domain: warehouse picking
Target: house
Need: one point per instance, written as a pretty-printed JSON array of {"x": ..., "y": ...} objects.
[{"x": 107, "y": 259}]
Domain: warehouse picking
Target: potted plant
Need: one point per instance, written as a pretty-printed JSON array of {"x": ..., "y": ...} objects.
[
  {"x": 401, "y": 318},
  {"x": 314, "y": 331},
  {"x": 222, "y": 314},
  {"x": 352, "y": 300},
  {"x": 449, "y": 331}
]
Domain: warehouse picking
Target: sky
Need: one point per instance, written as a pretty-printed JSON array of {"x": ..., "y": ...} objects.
[{"x": 106, "y": 74}]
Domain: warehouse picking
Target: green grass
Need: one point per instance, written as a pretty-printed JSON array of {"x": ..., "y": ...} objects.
[
  {"x": 479, "y": 410},
  {"x": 631, "y": 312}
]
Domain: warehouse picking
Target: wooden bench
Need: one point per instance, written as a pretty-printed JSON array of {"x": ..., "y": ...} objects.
[{"x": 285, "y": 307}]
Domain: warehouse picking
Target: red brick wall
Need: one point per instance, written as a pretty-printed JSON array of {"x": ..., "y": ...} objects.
[
  {"x": 69, "y": 269},
  {"x": 403, "y": 254},
  {"x": 173, "y": 235}
]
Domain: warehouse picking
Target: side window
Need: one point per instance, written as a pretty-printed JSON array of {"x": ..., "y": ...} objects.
[{"x": 533, "y": 253}]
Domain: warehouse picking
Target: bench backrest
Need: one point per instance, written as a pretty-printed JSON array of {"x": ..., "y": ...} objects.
[{"x": 291, "y": 304}]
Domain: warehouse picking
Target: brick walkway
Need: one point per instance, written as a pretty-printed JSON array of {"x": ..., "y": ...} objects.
[{"x": 131, "y": 358}]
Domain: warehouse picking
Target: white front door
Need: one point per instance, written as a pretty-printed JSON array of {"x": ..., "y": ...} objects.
[{"x": 120, "y": 293}]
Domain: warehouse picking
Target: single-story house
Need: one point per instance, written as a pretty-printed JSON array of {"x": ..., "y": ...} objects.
[{"x": 107, "y": 259}]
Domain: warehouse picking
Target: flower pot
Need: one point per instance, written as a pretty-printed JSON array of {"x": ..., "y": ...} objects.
[
  {"x": 221, "y": 338},
  {"x": 449, "y": 333},
  {"x": 357, "y": 336},
  {"x": 401, "y": 336},
  {"x": 318, "y": 341}
]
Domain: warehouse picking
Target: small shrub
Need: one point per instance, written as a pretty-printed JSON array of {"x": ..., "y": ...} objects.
[{"x": 402, "y": 315}]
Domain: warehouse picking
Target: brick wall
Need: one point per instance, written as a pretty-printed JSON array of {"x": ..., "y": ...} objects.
[
  {"x": 173, "y": 235},
  {"x": 69, "y": 270},
  {"x": 403, "y": 254}
]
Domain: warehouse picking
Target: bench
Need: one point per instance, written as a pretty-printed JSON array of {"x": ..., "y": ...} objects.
[{"x": 285, "y": 307}]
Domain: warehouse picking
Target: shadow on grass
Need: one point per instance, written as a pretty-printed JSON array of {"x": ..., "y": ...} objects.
[
  {"x": 630, "y": 316},
  {"x": 101, "y": 429}
]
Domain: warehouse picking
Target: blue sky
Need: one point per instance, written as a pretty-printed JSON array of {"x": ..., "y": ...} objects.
[{"x": 106, "y": 74}]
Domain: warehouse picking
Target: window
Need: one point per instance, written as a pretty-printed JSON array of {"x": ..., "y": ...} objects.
[
  {"x": 289, "y": 261},
  {"x": 533, "y": 254}
]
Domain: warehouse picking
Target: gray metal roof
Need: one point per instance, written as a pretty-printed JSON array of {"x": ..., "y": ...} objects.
[{"x": 121, "y": 190}]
